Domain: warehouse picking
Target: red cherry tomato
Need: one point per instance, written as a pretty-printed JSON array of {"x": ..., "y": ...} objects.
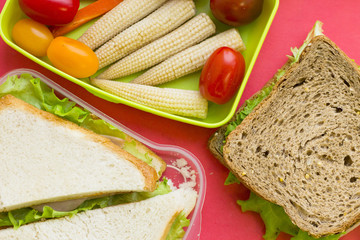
[
  {"x": 236, "y": 12},
  {"x": 222, "y": 75},
  {"x": 50, "y": 12}
]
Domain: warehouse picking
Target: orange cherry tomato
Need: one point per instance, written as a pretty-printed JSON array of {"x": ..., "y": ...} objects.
[
  {"x": 32, "y": 36},
  {"x": 72, "y": 57}
]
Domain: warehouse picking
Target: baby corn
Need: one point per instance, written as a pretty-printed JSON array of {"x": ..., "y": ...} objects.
[
  {"x": 192, "y": 32},
  {"x": 168, "y": 17},
  {"x": 119, "y": 18},
  {"x": 191, "y": 59},
  {"x": 176, "y": 101}
]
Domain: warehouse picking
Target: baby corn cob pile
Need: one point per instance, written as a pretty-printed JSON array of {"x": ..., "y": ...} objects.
[
  {"x": 168, "y": 17},
  {"x": 190, "y": 33},
  {"x": 119, "y": 18},
  {"x": 156, "y": 35},
  {"x": 176, "y": 101},
  {"x": 191, "y": 59}
]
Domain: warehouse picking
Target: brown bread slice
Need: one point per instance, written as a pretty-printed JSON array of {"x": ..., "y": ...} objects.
[{"x": 300, "y": 147}]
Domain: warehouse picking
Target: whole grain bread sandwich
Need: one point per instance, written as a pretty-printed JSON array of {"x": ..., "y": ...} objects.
[{"x": 296, "y": 143}]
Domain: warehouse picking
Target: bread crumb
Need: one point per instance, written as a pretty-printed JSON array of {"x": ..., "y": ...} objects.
[
  {"x": 171, "y": 185},
  {"x": 186, "y": 171},
  {"x": 180, "y": 163}
]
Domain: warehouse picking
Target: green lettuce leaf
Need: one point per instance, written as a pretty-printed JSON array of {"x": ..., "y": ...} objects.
[
  {"x": 130, "y": 146},
  {"x": 274, "y": 216},
  {"x": 315, "y": 31},
  {"x": 231, "y": 179},
  {"x": 38, "y": 94},
  {"x": 276, "y": 220},
  {"x": 177, "y": 228},
  {"x": 305, "y": 236}
]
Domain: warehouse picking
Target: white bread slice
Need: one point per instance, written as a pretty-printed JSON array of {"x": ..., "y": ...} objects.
[
  {"x": 147, "y": 219},
  {"x": 44, "y": 158}
]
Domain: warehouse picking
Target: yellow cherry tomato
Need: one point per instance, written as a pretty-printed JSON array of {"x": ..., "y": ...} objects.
[
  {"x": 72, "y": 57},
  {"x": 32, "y": 36}
]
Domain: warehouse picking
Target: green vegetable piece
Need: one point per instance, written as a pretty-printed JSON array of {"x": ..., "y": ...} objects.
[
  {"x": 231, "y": 179},
  {"x": 36, "y": 93},
  {"x": 276, "y": 220},
  {"x": 305, "y": 236},
  {"x": 177, "y": 228},
  {"x": 274, "y": 216},
  {"x": 131, "y": 148}
]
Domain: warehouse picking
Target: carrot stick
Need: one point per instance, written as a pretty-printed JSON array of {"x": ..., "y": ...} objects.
[{"x": 84, "y": 15}]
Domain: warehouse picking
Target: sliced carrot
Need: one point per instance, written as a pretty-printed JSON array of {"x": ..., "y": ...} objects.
[{"x": 84, "y": 15}]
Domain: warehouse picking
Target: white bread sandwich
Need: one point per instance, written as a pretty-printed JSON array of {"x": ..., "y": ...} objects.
[
  {"x": 297, "y": 142},
  {"x": 56, "y": 156},
  {"x": 46, "y": 159},
  {"x": 149, "y": 219}
]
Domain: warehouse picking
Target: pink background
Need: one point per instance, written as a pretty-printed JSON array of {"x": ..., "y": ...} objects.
[{"x": 221, "y": 216}]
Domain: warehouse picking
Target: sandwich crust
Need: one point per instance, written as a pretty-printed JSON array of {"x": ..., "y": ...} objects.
[{"x": 299, "y": 148}]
